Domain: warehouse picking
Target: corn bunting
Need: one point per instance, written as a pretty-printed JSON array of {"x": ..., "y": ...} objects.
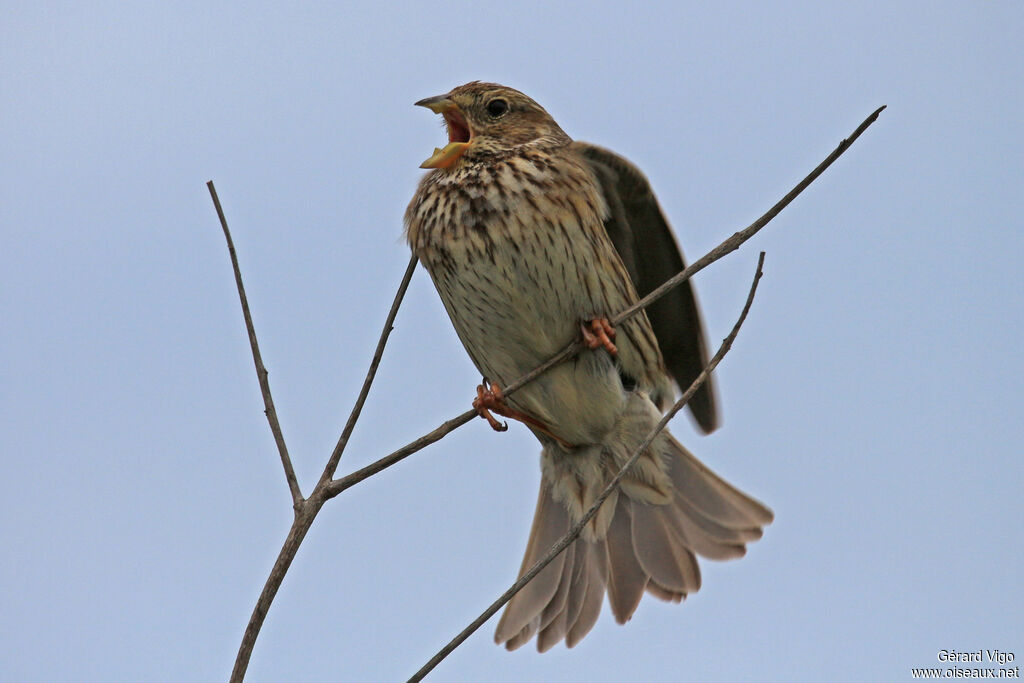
[{"x": 532, "y": 239}]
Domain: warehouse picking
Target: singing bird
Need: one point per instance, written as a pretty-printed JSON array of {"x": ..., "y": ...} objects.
[{"x": 531, "y": 240}]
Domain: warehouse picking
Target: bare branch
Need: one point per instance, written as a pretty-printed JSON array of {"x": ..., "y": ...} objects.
[
  {"x": 326, "y": 488},
  {"x": 574, "y": 532},
  {"x": 338, "y": 485},
  {"x": 332, "y": 464},
  {"x": 306, "y": 513},
  {"x": 261, "y": 372}
]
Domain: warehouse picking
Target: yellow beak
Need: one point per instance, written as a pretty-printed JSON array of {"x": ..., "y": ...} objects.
[
  {"x": 446, "y": 156},
  {"x": 443, "y": 157},
  {"x": 438, "y": 104}
]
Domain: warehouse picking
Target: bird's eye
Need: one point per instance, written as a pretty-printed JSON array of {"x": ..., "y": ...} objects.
[{"x": 497, "y": 107}]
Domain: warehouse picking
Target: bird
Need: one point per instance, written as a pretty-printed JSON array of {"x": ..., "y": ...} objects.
[{"x": 533, "y": 241}]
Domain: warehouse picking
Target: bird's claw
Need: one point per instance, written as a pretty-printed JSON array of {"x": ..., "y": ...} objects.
[
  {"x": 599, "y": 333},
  {"x": 487, "y": 400}
]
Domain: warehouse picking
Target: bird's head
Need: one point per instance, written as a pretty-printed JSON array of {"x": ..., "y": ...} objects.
[{"x": 486, "y": 119}]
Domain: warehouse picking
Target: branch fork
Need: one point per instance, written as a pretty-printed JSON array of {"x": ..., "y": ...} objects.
[{"x": 327, "y": 487}]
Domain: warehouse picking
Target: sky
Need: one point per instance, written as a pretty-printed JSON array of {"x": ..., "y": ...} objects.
[{"x": 872, "y": 398}]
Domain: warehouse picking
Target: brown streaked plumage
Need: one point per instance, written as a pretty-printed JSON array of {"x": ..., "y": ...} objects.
[{"x": 528, "y": 236}]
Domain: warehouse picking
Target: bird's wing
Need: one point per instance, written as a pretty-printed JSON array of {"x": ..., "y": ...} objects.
[{"x": 650, "y": 253}]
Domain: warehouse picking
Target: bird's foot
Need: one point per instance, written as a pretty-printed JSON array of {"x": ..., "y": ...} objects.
[
  {"x": 492, "y": 399},
  {"x": 599, "y": 333}
]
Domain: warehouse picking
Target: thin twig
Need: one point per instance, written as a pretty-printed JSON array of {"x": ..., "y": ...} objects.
[
  {"x": 306, "y": 510},
  {"x": 349, "y": 480},
  {"x": 564, "y": 542},
  {"x": 332, "y": 463},
  {"x": 734, "y": 242},
  {"x": 729, "y": 245},
  {"x": 261, "y": 371}
]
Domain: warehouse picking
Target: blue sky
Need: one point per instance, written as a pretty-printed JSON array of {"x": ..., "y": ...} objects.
[{"x": 872, "y": 398}]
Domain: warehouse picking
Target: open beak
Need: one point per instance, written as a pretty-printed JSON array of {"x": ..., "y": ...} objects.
[{"x": 459, "y": 135}]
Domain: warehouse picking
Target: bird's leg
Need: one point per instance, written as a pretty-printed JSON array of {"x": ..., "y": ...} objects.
[
  {"x": 599, "y": 333},
  {"x": 488, "y": 400}
]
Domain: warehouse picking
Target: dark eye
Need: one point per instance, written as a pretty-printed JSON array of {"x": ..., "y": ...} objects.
[{"x": 497, "y": 107}]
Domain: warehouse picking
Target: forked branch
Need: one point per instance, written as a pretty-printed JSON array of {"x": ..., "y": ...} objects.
[{"x": 328, "y": 487}]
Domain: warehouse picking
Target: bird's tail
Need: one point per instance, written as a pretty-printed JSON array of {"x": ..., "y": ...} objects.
[{"x": 669, "y": 508}]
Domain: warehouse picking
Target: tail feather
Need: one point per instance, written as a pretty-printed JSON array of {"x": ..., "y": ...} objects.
[
  {"x": 554, "y": 618},
  {"x": 523, "y": 637},
  {"x": 668, "y": 510},
  {"x": 550, "y": 522},
  {"x": 553, "y": 633},
  {"x": 711, "y": 495},
  {"x": 663, "y": 593},
  {"x": 707, "y": 537},
  {"x": 578, "y": 583},
  {"x": 662, "y": 551},
  {"x": 596, "y": 571},
  {"x": 626, "y": 578},
  {"x": 558, "y": 602}
]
